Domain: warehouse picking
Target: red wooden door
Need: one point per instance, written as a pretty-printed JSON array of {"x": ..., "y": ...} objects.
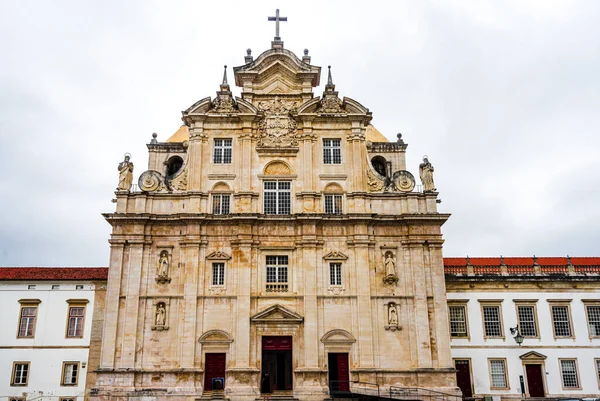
[
  {"x": 535, "y": 380},
  {"x": 343, "y": 372},
  {"x": 277, "y": 343},
  {"x": 214, "y": 366},
  {"x": 463, "y": 377}
]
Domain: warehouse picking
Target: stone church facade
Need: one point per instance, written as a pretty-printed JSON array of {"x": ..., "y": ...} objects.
[{"x": 276, "y": 244}]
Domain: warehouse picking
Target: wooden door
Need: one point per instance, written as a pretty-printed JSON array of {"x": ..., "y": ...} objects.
[
  {"x": 339, "y": 372},
  {"x": 214, "y": 367},
  {"x": 463, "y": 377},
  {"x": 535, "y": 380}
]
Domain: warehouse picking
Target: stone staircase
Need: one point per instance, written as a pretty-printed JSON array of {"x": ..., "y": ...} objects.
[
  {"x": 278, "y": 396},
  {"x": 213, "y": 395}
]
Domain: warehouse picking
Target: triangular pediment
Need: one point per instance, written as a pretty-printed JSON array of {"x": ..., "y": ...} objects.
[
  {"x": 277, "y": 314},
  {"x": 532, "y": 355},
  {"x": 335, "y": 255}
]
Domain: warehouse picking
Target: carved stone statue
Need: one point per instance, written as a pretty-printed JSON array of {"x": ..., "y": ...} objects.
[
  {"x": 392, "y": 315},
  {"x": 390, "y": 265},
  {"x": 161, "y": 315},
  {"x": 426, "y": 174},
  {"x": 125, "y": 174},
  {"x": 163, "y": 264}
]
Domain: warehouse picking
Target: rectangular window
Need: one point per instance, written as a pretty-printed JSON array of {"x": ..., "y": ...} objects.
[
  {"x": 333, "y": 204},
  {"x": 527, "y": 324},
  {"x": 491, "y": 321},
  {"x": 16, "y": 399},
  {"x": 221, "y": 203},
  {"x": 593, "y": 315},
  {"x": 561, "y": 321},
  {"x": 332, "y": 151},
  {"x": 218, "y": 274},
  {"x": 597, "y": 362},
  {"x": 70, "y": 373},
  {"x": 278, "y": 197},
  {"x": 79, "y": 287},
  {"x": 20, "y": 374},
  {"x": 27, "y": 321},
  {"x": 498, "y": 373},
  {"x": 222, "y": 151},
  {"x": 31, "y": 287},
  {"x": 67, "y": 399},
  {"x": 335, "y": 274},
  {"x": 277, "y": 274},
  {"x": 568, "y": 370},
  {"x": 55, "y": 286},
  {"x": 458, "y": 321},
  {"x": 75, "y": 325}
]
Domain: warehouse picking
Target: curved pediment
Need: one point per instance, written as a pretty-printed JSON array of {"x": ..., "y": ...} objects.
[
  {"x": 277, "y": 314},
  {"x": 353, "y": 107},
  {"x": 215, "y": 336},
  {"x": 310, "y": 106},
  {"x": 201, "y": 106},
  {"x": 338, "y": 336}
]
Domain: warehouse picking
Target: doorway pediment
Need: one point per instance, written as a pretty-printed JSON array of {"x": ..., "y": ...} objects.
[
  {"x": 277, "y": 314},
  {"x": 533, "y": 356}
]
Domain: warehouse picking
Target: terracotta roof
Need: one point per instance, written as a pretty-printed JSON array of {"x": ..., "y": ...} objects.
[
  {"x": 523, "y": 261},
  {"x": 53, "y": 273}
]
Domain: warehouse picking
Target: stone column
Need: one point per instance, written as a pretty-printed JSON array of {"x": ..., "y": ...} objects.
[
  {"x": 195, "y": 159},
  {"x": 190, "y": 304},
  {"x": 132, "y": 304},
  {"x": 420, "y": 306},
  {"x": 441, "y": 307}
]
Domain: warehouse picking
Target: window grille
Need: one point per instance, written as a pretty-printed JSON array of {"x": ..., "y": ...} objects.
[
  {"x": 221, "y": 203},
  {"x": 498, "y": 373},
  {"x": 27, "y": 321},
  {"x": 569, "y": 373},
  {"x": 277, "y": 274},
  {"x": 491, "y": 321},
  {"x": 218, "y": 276},
  {"x": 527, "y": 321},
  {"x": 593, "y": 313},
  {"x": 75, "y": 328},
  {"x": 458, "y": 321},
  {"x": 70, "y": 371},
  {"x": 222, "y": 151},
  {"x": 277, "y": 197},
  {"x": 332, "y": 151},
  {"x": 333, "y": 204},
  {"x": 20, "y": 374},
  {"x": 560, "y": 318},
  {"x": 335, "y": 274}
]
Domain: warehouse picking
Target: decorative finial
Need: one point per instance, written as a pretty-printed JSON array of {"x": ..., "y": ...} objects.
[
  {"x": 329, "y": 79},
  {"x": 569, "y": 260},
  {"x": 306, "y": 52},
  {"x": 400, "y": 140},
  {"x": 154, "y": 135},
  {"x": 468, "y": 261},
  {"x": 249, "y": 52},
  {"x": 306, "y": 57},
  {"x": 535, "y": 260},
  {"x": 225, "y": 76},
  {"x": 248, "y": 57},
  {"x": 277, "y": 19},
  {"x": 501, "y": 260}
]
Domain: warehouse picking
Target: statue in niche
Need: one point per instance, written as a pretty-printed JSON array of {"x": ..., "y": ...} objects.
[
  {"x": 125, "y": 173},
  {"x": 161, "y": 314},
  {"x": 392, "y": 315},
  {"x": 163, "y": 264},
  {"x": 426, "y": 174},
  {"x": 390, "y": 269}
]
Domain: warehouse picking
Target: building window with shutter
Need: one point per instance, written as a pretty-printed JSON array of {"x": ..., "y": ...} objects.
[
  {"x": 458, "y": 320},
  {"x": 492, "y": 321},
  {"x": 20, "y": 374},
  {"x": 277, "y": 197},
  {"x": 222, "y": 151},
  {"x": 561, "y": 320},
  {"x": 277, "y": 274},
  {"x": 332, "y": 151},
  {"x": 569, "y": 374},
  {"x": 221, "y": 203},
  {"x": 70, "y": 374},
  {"x": 527, "y": 320},
  {"x": 75, "y": 322},
  {"x": 335, "y": 274},
  {"x": 498, "y": 376},
  {"x": 218, "y": 274}
]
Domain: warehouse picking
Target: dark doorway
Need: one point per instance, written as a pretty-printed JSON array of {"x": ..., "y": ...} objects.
[
  {"x": 535, "y": 380},
  {"x": 214, "y": 368},
  {"x": 339, "y": 374},
  {"x": 276, "y": 364},
  {"x": 463, "y": 377}
]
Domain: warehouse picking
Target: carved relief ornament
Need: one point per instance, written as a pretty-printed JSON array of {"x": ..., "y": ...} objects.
[
  {"x": 374, "y": 183},
  {"x": 335, "y": 255},
  {"x": 218, "y": 255},
  {"x": 277, "y": 128}
]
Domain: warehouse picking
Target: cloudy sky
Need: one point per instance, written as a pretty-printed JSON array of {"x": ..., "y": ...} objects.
[{"x": 504, "y": 97}]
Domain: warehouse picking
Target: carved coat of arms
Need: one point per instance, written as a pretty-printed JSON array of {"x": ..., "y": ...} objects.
[{"x": 277, "y": 129}]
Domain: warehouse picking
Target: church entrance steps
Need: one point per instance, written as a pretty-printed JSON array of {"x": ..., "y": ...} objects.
[
  {"x": 279, "y": 396},
  {"x": 213, "y": 395}
]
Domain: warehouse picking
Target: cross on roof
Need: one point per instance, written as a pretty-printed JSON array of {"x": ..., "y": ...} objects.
[{"x": 277, "y": 18}]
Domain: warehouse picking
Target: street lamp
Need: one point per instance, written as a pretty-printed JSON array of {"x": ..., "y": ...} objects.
[{"x": 514, "y": 331}]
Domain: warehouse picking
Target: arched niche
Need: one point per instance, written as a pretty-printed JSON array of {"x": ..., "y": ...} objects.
[
  {"x": 277, "y": 167},
  {"x": 334, "y": 188},
  {"x": 221, "y": 187}
]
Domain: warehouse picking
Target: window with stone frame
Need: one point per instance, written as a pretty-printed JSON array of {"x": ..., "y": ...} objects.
[
  {"x": 458, "y": 320},
  {"x": 568, "y": 373},
  {"x": 20, "y": 374},
  {"x": 27, "y": 320},
  {"x": 67, "y": 399},
  {"x": 332, "y": 151},
  {"x": 333, "y": 204},
  {"x": 70, "y": 374},
  {"x": 561, "y": 320},
  {"x": 277, "y": 197},
  {"x": 527, "y": 320},
  {"x": 335, "y": 274},
  {"x": 498, "y": 373},
  {"x": 221, "y": 203},
  {"x": 593, "y": 318},
  {"x": 222, "y": 151},
  {"x": 17, "y": 399},
  {"x": 492, "y": 321},
  {"x": 75, "y": 321},
  {"x": 218, "y": 273},
  {"x": 597, "y": 364},
  {"x": 276, "y": 273}
]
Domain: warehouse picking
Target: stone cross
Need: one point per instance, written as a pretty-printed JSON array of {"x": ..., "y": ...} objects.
[{"x": 277, "y": 18}]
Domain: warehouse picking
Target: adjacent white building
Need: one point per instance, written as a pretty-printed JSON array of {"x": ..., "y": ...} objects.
[
  {"x": 46, "y": 319},
  {"x": 555, "y": 302}
]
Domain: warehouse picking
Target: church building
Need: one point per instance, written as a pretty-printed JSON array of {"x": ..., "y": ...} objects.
[{"x": 276, "y": 245}]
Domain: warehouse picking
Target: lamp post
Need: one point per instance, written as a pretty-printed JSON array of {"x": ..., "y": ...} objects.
[{"x": 514, "y": 331}]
